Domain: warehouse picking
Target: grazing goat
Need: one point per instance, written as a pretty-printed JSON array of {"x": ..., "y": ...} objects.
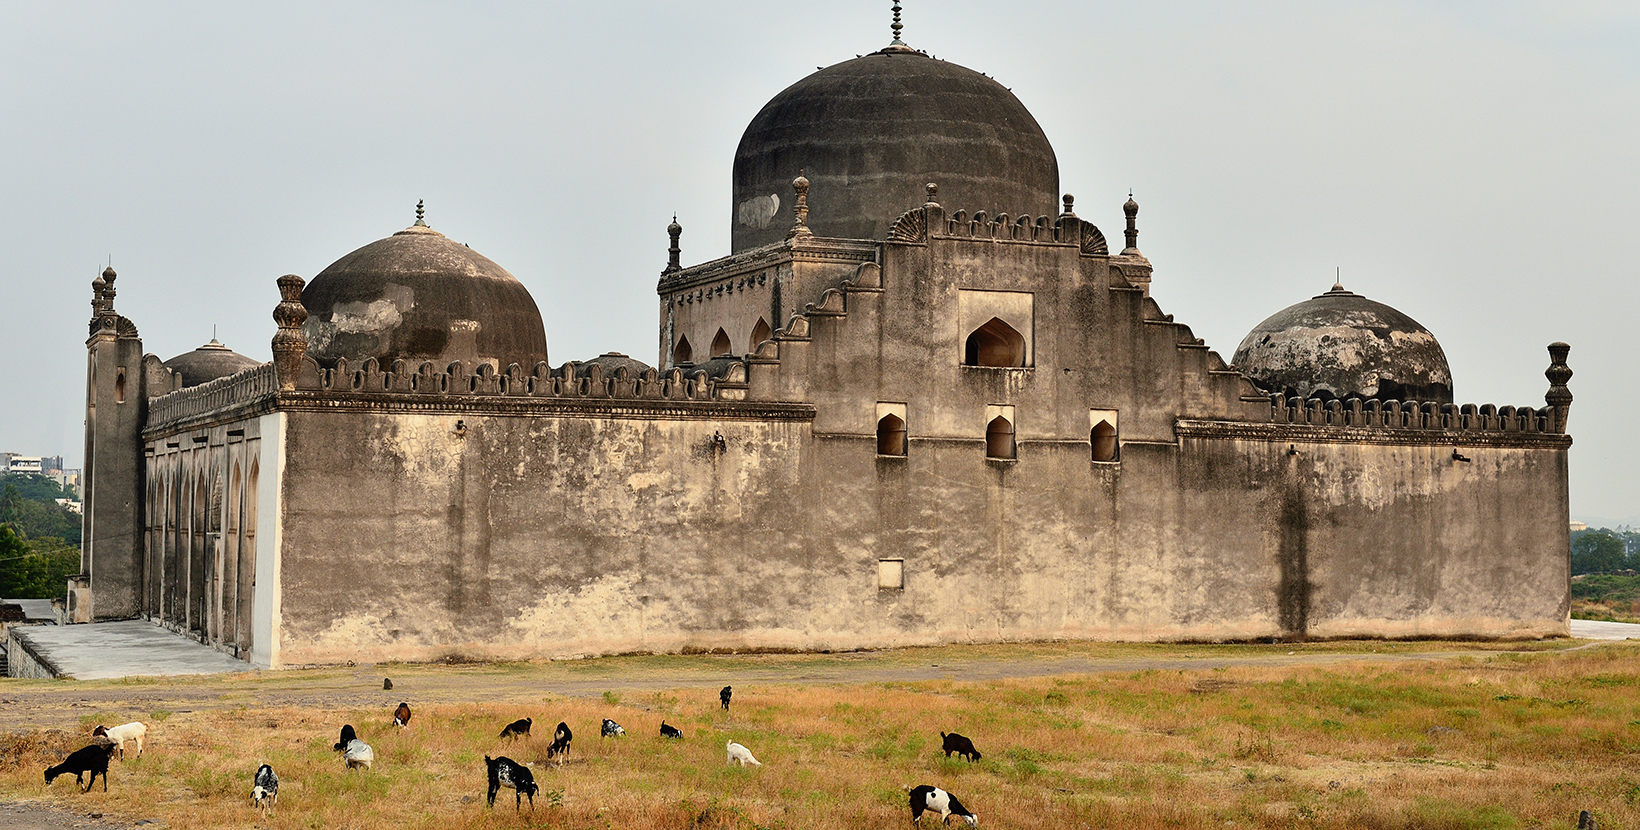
[
  {"x": 960, "y": 745},
  {"x": 728, "y": 692},
  {"x": 611, "y": 729},
  {"x": 134, "y": 731},
  {"x": 358, "y": 754},
  {"x": 348, "y": 736},
  {"x": 560, "y": 741},
  {"x": 401, "y": 716},
  {"x": 264, "y": 789},
  {"x": 92, "y": 759},
  {"x": 739, "y": 754},
  {"x": 933, "y": 798},
  {"x": 516, "y": 729},
  {"x": 506, "y": 771},
  {"x": 387, "y": 684},
  {"x": 670, "y": 731}
]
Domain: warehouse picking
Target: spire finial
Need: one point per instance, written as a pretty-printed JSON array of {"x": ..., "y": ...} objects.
[
  {"x": 1131, "y": 209},
  {"x": 1070, "y": 205},
  {"x": 673, "y": 253},
  {"x": 801, "y": 208},
  {"x": 421, "y": 211},
  {"x": 897, "y": 27}
]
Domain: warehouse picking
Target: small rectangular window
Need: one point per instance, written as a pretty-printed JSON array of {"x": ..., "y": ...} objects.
[{"x": 891, "y": 574}]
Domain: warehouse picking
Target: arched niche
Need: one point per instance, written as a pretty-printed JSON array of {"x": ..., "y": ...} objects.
[
  {"x": 891, "y": 435},
  {"x": 1103, "y": 438},
  {"x": 999, "y": 438},
  {"x": 760, "y": 333},
  {"x": 994, "y": 344},
  {"x": 720, "y": 345},
  {"x": 682, "y": 353}
]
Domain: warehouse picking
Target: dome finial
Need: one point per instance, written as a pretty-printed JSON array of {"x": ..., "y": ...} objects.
[
  {"x": 421, "y": 211},
  {"x": 673, "y": 253},
  {"x": 897, "y": 27}
]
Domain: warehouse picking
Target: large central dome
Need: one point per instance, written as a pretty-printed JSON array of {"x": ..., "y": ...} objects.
[{"x": 869, "y": 133}]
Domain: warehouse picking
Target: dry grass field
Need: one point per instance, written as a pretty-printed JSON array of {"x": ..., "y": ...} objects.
[{"x": 1408, "y": 735}]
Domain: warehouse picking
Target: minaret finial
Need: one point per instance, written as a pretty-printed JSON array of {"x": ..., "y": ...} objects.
[
  {"x": 897, "y": 27},
  {"x": 673, "y": 253},
  {"x": 421, "y": 211}
]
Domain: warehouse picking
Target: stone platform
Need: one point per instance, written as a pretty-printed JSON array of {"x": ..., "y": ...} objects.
[{"x": 116, "y": 649}]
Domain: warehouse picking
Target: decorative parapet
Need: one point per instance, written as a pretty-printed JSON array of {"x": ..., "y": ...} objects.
[
  {"x": 572, "y": 380},
  {"x": 1305, "y": 433},
  {"x": 1411, "y": 415},
  {"x": 233, "y": 396},
  {"x": 918, "y": 225}
]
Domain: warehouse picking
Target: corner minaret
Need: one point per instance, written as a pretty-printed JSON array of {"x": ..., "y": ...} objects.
[
  {"x": 109, "y": 586},
  {"x": 1130, "y": 262}
]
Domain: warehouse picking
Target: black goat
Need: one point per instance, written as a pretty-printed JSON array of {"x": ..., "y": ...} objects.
[
  {"x": 506, "y": 771},
  {"x": 516, "y": 729},
  {"x": 670, "y": 731},
  {"x": 92, "y": 759},
  {"x": 728, "y": 692},
  {"x": 960, "y": 745},
  {"x": 560, "y": 741}
]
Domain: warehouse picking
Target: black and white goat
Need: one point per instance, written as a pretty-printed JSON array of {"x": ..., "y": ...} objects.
[
  {"x": 92, "y": 759},
  {"x": 560, "y": 742},
  {"x": 401, "y": 715},
  {"x": 960, "y": 745},
  {"x": 264, "y": 789},
  {"x": 134, "y": 731},
  {"x": 611, "y": 729},
  {"x": 517, "y": 729},
  {"x": 926, "y": 798},
  {"x": 670, "y": 731},
  {"x": 505, "y": 771}
]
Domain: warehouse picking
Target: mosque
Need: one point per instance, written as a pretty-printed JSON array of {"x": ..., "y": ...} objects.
[{"x": 920, "y": 401}]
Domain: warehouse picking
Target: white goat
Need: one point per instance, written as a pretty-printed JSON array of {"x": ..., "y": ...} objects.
[
  {"x": 358, "y": 754},
  {"x": 739, "y": 754},
  {"x": 134, "y": 731}
]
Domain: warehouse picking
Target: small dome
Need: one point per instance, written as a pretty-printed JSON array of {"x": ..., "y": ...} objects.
[
  {"x": 1343, "y": 345},
  {"x": 869, "y": 133},
  {"x": 418, "y": 296},
  {"x": 209, "y": 362},
  {"x": 615, "y": 361}
]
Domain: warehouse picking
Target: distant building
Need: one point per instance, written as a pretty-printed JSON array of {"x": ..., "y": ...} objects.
[
  {"x": 1577, "y": 526},
  {"x": 15, "y": 463}
]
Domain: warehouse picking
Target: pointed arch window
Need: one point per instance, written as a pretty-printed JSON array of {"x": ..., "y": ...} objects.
[
  {"x": 682, "y": 353},
  {"x": 1102, "y": 434},
  {"x": 720, "y": 344},
  {"x": 891, "y": 433},
  {"x": 994, "y": 344},
  {"x": 760, "y": 333},
  {"x": 999, "y": 439}
]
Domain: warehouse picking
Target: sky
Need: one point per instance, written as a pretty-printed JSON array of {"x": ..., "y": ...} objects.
[{"x": 1474, "y": 164}]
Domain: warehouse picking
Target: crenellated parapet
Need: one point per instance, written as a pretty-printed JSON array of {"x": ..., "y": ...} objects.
[
  {"x": 231, "y": 397},
  {"x": 571, "y": 380},
  {"x": 918, "y": 225},
  {"x": 1411, "y": 415}
]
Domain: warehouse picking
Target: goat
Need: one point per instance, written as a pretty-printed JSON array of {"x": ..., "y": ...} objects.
[
  {"x": 134, "y": 731},
  {"x": 506, "y": 771},
  {"x": 739, "y": 754},
  {"x": 516, "y": 729},
  {"x": 926, "y": 797},
  {"x": 960, "y": 745},
  {"x": 92, "y": 758},
  {"x": 358, "y": 754},
  {"x": 724, "y": 695},
  {"x": 611, "y": 729},
  {"x": 670, "y": 731},
  {"x": 264, "y": 789},
  {"x": 401, "y": 716},
  {"x": 560, "y": 741},
  {"x": 348, "y": 736},
  {"x": 387, "y": 684}
]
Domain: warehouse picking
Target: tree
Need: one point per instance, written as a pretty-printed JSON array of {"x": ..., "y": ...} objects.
[
  {"x": 33, "y": 518},
  {"x": 35, "y": 569},
  {"x": 1598, "y": 551}
]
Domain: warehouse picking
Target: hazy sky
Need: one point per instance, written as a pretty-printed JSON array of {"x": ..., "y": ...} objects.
[{"x": 1474, "y": 164}]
